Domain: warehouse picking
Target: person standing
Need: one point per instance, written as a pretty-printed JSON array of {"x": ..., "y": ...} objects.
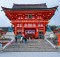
[
  {"x": 25, "y": 40},
  {"x": 15, "y": 38},
  {"x": 21, "y": 39}
]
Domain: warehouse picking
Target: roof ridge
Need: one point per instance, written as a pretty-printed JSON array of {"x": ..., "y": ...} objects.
[{"x": 28, "y": 4}]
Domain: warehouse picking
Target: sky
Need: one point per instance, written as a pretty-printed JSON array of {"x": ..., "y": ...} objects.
[{"x": 5, "y": 22}]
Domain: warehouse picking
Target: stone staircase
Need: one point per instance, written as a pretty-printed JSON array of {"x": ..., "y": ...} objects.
[{"x": 31, "y": 46}]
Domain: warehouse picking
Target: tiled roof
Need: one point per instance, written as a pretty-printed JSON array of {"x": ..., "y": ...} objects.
[
  {"x": 19, "y": 6},
  {"x": 29, "y": 7}
]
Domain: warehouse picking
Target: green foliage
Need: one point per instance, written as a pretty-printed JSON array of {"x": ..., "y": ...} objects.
[
  {"x": 53, "y": 27},
  {"x": 55, "y": 41},
  {"x": 5, "y": 39}
]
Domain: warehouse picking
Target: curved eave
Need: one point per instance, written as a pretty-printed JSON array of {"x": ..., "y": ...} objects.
[
  {"x": 53, "y": 8},
  {"x": 4, "y": 8}
]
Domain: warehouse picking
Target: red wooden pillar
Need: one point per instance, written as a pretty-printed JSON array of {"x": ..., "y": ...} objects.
[
  {"x": 44, "y": 26},
  {"x": 44, "y": 29},
  {"x": 36, "y": 30},
  {"x": 15, "y": 29},
  {"x": 22, "y": 29},
  {"x": 58, "y": 39}
]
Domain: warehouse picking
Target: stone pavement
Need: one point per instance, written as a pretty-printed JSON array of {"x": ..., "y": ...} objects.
[{"x": 39, "y": 45}]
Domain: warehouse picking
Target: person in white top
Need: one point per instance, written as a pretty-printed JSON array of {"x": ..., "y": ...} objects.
[{"x": 21, "y": 39}]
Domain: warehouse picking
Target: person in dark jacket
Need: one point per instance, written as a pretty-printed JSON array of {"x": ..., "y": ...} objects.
[
  {"x": 25, "y": 40},
  {"x": 15, "y": 38}
]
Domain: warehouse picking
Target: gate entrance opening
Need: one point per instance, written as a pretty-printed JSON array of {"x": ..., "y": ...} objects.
[{"x": 30, "y": 33}]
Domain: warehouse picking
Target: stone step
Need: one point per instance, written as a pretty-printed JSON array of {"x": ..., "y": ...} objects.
[{"x": 31, "y": 44}]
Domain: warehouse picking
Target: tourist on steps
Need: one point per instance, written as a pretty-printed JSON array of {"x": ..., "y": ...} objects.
[
  {"x": 21, "y": 39},
  {"x": 25, "y": 40},
  {"x": 15, "y": 38}
]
